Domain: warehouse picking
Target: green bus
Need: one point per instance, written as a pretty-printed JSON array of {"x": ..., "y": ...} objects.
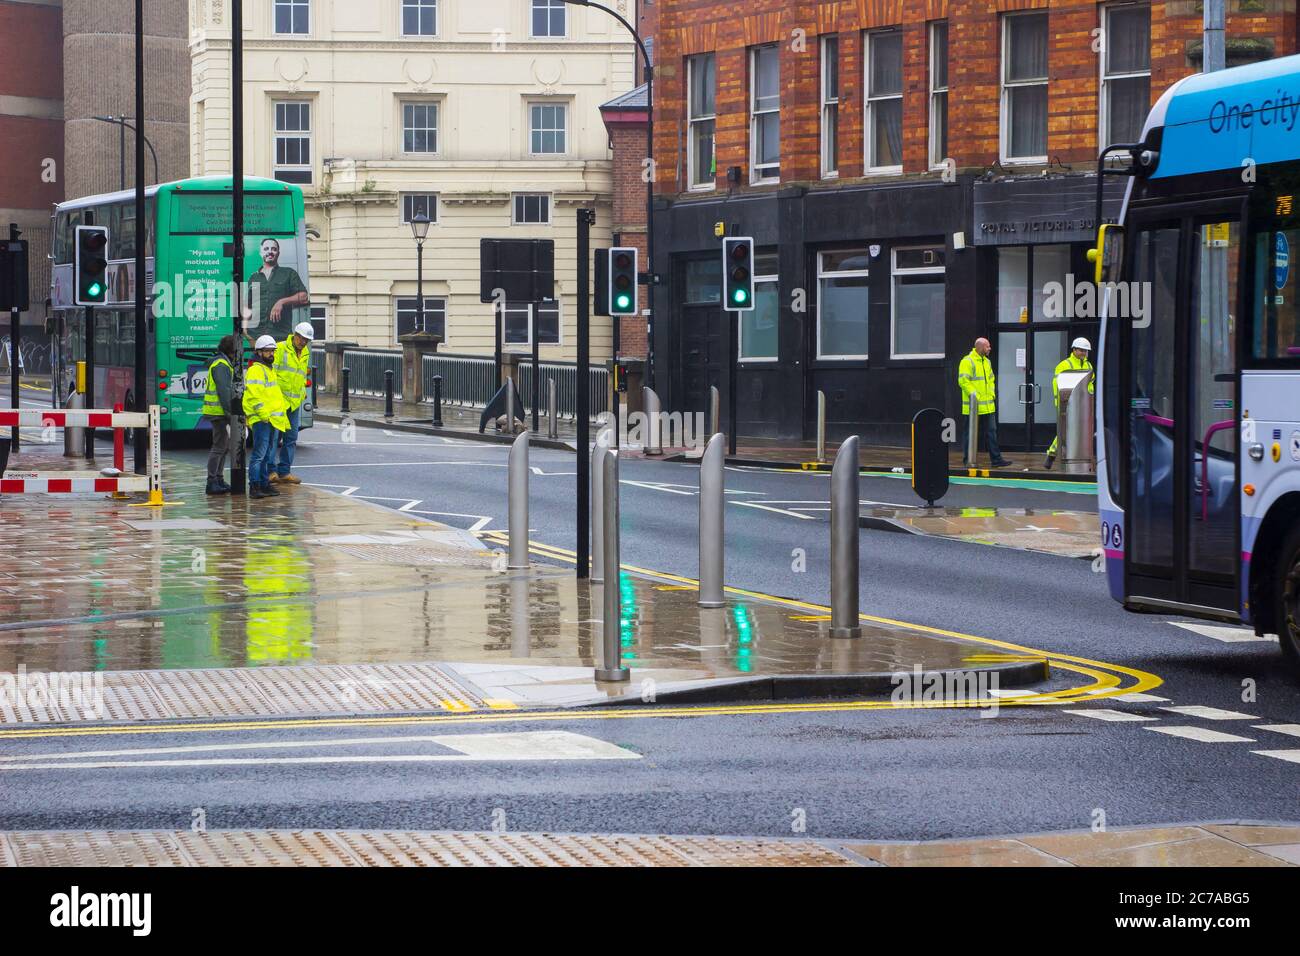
[{"x": 192, "y": 296}]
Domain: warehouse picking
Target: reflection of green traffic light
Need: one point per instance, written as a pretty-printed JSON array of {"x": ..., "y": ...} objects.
[
  {"x": 740, "y": 295},
  {"x": 627, "y": 613},
  {"x": 741, "y": 617}
]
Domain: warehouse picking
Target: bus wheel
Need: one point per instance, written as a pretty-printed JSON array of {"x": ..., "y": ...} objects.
[{"x": 1288, "y": 600}]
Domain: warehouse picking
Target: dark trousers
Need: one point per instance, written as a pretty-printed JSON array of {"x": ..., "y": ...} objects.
[
  {"x": 989, "y": 426},
  {"x": 220, "y": 448}
]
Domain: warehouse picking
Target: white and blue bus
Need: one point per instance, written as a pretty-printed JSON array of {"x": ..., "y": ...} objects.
[{"x": 1199, "y": 410}]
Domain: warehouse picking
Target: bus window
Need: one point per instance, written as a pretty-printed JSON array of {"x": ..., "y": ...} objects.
[{"x": 1276, "y": 332}]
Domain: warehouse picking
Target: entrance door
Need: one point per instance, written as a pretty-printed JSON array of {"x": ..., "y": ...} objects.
[{"x": 1182, "y": 505}]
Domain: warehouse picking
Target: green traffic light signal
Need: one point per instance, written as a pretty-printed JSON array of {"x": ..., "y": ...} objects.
[
  {"x": 95, "y": 289},
  {"x": 739, "y": 296}
]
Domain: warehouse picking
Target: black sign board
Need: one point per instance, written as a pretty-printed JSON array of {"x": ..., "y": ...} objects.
[
  {"x": 14, "y": 293},
  {"x": 524, "y": 269},
  {"x": 929, "y": 455},
  {"x": 1056, "y": 209}
]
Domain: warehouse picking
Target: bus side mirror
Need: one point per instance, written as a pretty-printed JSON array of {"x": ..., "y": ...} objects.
[{"x": 1108, "y": 254}]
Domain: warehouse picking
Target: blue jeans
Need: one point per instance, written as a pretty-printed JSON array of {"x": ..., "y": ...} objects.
[
  {"x": 259, "y": 462},
  {"x": 289, "y": 443},
  {"x": 989, "y": 426}
]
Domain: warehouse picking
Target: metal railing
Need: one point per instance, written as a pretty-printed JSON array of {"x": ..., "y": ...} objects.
[
  {"x": 468, "y": 380},
  {"x": 367, "y": 370},
  {"x": 566, "y": 387}
]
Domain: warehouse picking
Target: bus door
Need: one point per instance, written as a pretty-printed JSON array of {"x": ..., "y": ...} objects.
[{"x": 1182, "y": 506}]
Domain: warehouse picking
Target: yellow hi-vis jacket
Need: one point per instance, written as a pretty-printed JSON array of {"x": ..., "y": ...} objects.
[
  {"x": 292, "y": 371},
  {"x": 263, "y": 401},
  {"x": 211, "y": 400},
  {"x": 1071, "y": 364},
  {"x": 975, "y": 377}
]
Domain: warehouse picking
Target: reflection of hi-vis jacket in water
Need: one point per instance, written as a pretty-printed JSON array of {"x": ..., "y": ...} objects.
[{"x": 277, "y": 631}]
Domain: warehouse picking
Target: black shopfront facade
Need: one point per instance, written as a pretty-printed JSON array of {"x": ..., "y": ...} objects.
[{"x": 869, "y": 293}]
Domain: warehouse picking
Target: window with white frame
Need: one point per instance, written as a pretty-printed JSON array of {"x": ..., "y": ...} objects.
[
  {"x": 830, "y": 105},
  {"x": 419, "y": 127},
  {"x": 293, "y": 16},
  {"x": 918, "y": 327},
  {"x": 547, "y": 128},
  {"x": 406, "y": 317},
  {"x": 320, "y": 322},
  {"x": 521, "y": 318},
  {"x": 1024, "y": 87},
  {"x": 764, "y": 113},
  {"x": 419, "y": 18},
  {"x": 758, "y": 327},
  {"x": 413, "y": 204},
  {"x": 548, "y": 18},
  {"x": 938, "y": 92},
  {"x": 531, "y": 209},
  {"x": 702, "y": 78},
  {"x": 884, "y": 122},
  {"x": 293, "y": 142},
  {"x": 842, "y": 294},
  {"x": 1126, "y": 72}
]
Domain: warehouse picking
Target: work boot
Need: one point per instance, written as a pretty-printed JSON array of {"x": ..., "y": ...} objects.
[
  {"x": 255, "y": 491},
  {"x": 222, "y": 486},
  {"x": 290, "y": 480},
  {"x": 273, "y": 479},
  {"x": 269, "y": 492},
  {"x": 1004, "y": 463},
  {"x": 214, "y": 489},
  {"x": 1047, "y": 462}
]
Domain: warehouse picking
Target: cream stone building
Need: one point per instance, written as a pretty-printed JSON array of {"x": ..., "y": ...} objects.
[{"x": 483, "y": 114}]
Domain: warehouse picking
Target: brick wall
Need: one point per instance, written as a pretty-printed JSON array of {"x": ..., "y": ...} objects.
[
  {"x": 689, "y": 27},
  {"x": 629, "y": 215}
]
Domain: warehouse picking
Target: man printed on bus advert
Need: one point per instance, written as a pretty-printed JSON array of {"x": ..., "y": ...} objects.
[{"x": 274, "y": 292}]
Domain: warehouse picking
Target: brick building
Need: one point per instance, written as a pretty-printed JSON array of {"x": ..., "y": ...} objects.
[{"x": 913, "y": 172}]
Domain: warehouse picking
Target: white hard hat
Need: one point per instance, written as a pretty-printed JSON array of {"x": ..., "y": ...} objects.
[
  {"x": 305, "y": 330},
  {"x": 264, "y": 342},
  {"x": 1082, "y": 343}
]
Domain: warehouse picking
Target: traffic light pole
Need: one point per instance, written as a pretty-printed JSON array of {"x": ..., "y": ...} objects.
[
  {"x": 140, "y": 386},
  {"x": 89, "y": 220},
  {"x": 238, "y": 461},
  {"x": 14, "y": 352},
  {"x": 586, "y": 219}
]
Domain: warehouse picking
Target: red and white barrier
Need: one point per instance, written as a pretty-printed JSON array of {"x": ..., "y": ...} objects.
[{"x": 73, "y": 482}]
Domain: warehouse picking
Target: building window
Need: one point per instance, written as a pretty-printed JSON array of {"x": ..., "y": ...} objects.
[
  {"x": 320, "y": 322},
  {"x": 884, "y": 123},
  {"x": 938, "y": 92},
  {"x": 521, "y": 318},
  {"x": 293, "y": 142},
  {"x": 546, "y": 128},
  {"x": 842, "y": 289},
  {"x": 532, "y": 209},
  {"x": 548, "y": 18},
  {"x": 419, "y": 127},
  {"x": 918, "y": 306},
  {"x": 406, "y": 319},
  {"x": 419, "y": 18},
  {"x": 830, "y": 106},
  {"x": 764, "y": 114},
  {"x": 415, "y": 203},
  {"x": 758, "y": 327},
  {"x": 702, "y": 74},
  {"x": 1024, "y": 87},
  {"x": 704, "y": 281},
  {"x": 293, "y": 16},
  {"x": 1126, "y": 73}
]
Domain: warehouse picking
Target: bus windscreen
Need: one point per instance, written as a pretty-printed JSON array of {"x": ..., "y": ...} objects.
[{"x": 209, "y": 214}]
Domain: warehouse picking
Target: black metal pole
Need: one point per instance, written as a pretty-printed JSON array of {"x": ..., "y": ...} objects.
[
  {"x": 121, "y": 151},
  {"x": 140, "y": 440},
  {"x": 89, "y": 220},
  {"x": 537, "y": 375},
  {"x": 419, "y": 285},
  {"x": 732, "y": 319},
  {"x": 15, "y": 354},
  {"x": 388, "y": 393},
  {"x": 343, "y": 402},
  {"x": 586, "y": 219},
  {"x": 437, "y": 401},
  {"x": 238, "y": 459}
]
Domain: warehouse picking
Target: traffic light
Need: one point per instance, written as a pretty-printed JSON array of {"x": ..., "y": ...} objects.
[
  {"x": 738, "y": 274},
  {"x": 92, "y": 265},
  {"x": 622, "y": 281}
]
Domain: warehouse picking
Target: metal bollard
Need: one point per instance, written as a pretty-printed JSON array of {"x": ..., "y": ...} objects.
[
  {"x": 552, "y": 411},
  {"x": 603, "y": 438},
  {"x": 388, "y": 393},
  {"x": 72, "y": 436},
  {"x": 610, "y": 620},
  {"x": 715, "y": 410},
  {"x": 343, "y": 403},
  {"x": 844, "y": 541},
  {"x": 510, "y": 405},
  {"x": 821, "y": 425},
  {"x": 973, "y": 433},
  {"x": 315, "y": 381},
  {"x": 654, "y": 440},
  {"x": 437, "y": 401},
  {"x": 517, "y": 501},
  {"x": 712, "y": 505}
]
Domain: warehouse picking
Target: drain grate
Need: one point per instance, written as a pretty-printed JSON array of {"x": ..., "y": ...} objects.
[{"x": 400, "y": 848}]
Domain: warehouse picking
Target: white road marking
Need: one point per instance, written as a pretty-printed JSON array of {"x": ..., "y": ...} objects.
[
  {"x": 1225, "y": 634},
  {"x": 1209, "y": 713},
  {"x": 1292, "y": 730},
  {"x": 779, "y": 511},
  {"x": 1103, "y": 713},
  {"x": 1290, "y": 755},
  {"x": 1202, "y": 734},
  {"x": 656, "y": 486},
  {"x": 1136, "y": 698},
  {"x": 1014, "y": 693},
  {"x": 529, "y": 745}
]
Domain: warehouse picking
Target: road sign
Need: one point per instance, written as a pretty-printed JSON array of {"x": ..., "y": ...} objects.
[{"x": 524, "y": 269}]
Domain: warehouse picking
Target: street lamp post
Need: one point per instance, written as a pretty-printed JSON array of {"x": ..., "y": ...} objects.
[
  {"x": 123, "y": 126},
  {"x": 420, "y": 230}
]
